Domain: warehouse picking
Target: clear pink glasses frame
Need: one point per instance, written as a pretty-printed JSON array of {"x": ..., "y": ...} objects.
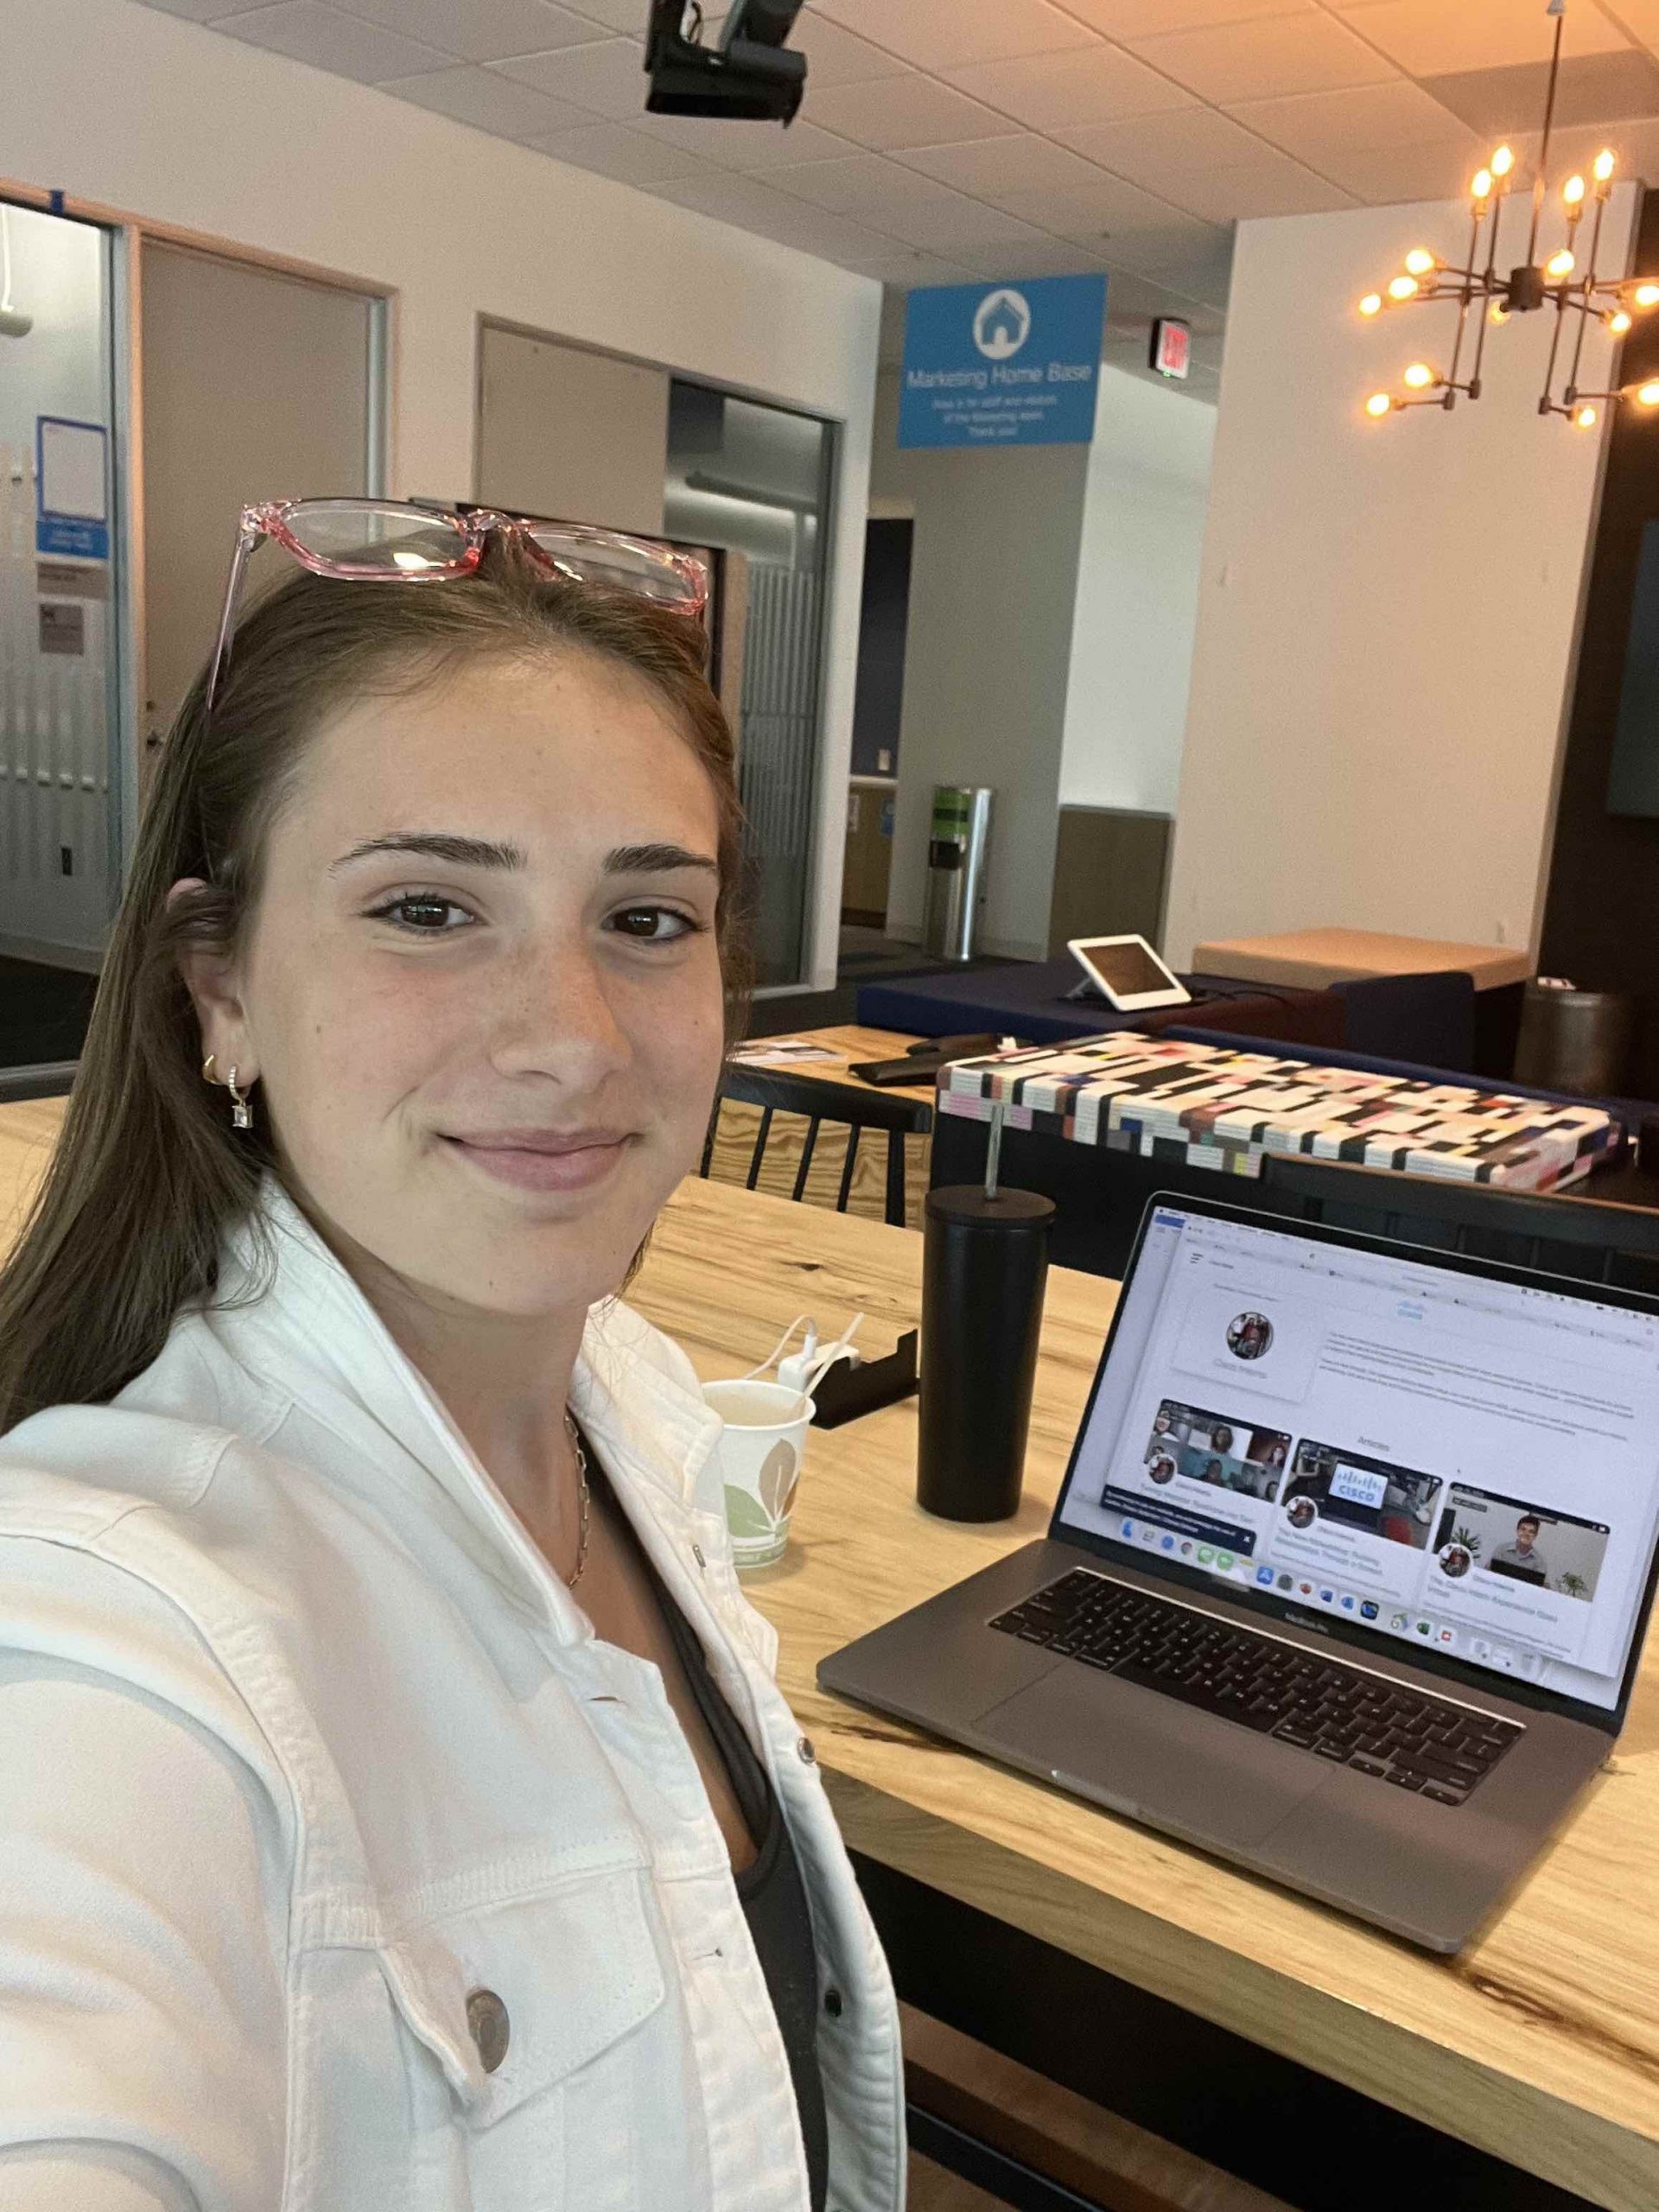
[{"x": 677, "y": 579}]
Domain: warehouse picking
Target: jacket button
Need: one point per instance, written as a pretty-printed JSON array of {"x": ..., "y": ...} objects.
[
  {"x": 487, "y": 2016},
  {"x": 807, "y": 1753},
  {"x": 832, "y": 2003}
]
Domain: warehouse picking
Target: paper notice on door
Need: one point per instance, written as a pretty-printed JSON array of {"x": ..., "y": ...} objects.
[{"x": 72, "y": 470}]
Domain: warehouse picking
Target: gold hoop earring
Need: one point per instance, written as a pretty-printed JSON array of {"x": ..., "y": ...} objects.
[
  {"x": 207, "y": 1075},
  {"x": 241, "y": 1112}
]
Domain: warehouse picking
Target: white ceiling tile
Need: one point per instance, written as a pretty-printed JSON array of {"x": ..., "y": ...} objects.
[
  {"x": 1639, "y": 17},
  {"x": 612, "y": 150},
  {"x": 1270, "y": 184},
  {"x": 1384, "y": 175},
  {"x": 908, "y": 110},
  {"x": 1154, "y": 149},
  {"x": 754, "y": 205},
  {"x": 1636, "y": 146},
  {"x": 1258, "y": 60},
  {"x": 1427, "y": 37},
  {"x": 993, "y": 166},
  {"x": 1146, "y": 18},
  {"x": 201, "y": 11},
  {"x": 946, "y": 34},
  {"x": 606, "y": 78},
  {"x": 486, "y": 101},
  {"x": 902, "y": 268},
  {"x": 1040, "y": 257},
  {"x": 1322, "y": 127},
  {"x": 897, "y": 200},
  {"x": 1107, "y": 209},
  {"x": 835, "y": 56},
  {"x": 746, "y": 145},
  {"x": 851, "y": 186},
  {"x": 1048, "y": 90},
  {"x": 479, "y": 30},
  {"x": 307, "y": 32}
]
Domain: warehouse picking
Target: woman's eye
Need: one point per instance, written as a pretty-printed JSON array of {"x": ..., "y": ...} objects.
[
  {"x": 427, "y": 905},
  {"x": 653, "y": 924}
]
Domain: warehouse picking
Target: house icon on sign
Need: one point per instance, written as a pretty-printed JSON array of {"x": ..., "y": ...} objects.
[{"x": 1001, "y": 324}]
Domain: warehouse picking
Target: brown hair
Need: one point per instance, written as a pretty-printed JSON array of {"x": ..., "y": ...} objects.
[{"x": 148, "y": 1174}]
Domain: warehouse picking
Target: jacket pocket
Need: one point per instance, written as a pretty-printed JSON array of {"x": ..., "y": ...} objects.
[{"x": 541, "y": 1985}]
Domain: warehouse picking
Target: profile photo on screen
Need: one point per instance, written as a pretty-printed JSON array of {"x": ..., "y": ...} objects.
[{"x": 1250, "y": 1336}]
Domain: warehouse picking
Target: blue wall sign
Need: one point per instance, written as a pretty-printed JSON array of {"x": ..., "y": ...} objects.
[
  {"x": 1002, "y": 365},
  {"x": 72, "y": 516}
]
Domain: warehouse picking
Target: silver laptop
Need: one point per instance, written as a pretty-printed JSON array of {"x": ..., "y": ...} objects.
[{"x": 1350, "y": 1574}]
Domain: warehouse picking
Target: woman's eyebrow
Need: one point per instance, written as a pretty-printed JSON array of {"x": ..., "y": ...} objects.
[
  {"x": 656, "y": 860},
  {"x": 484, "y": 852},
  {"x": 438, "y": 845}
]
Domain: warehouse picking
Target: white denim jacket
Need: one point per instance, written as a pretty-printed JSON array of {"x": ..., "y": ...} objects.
[{"x": 317, "y": 1784}]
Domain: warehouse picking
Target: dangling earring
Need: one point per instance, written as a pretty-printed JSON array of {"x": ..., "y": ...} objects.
[{"x": 241, "y": 1112}]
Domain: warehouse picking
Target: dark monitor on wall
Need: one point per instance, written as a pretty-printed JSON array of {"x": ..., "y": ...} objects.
[{"x": 1633, "y": 779}]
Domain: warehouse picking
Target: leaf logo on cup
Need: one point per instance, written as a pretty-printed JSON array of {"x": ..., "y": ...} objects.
[
  {"x": 779, "y": 1475},
  {"x": 762, "y": 1450}
]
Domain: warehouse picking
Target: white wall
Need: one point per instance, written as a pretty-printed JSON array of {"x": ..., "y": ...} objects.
[
  {"x": 993, "y": 580},
  {"x": 1389, "y": 610},
  {"x": 122, "y": 104},
  {"x": 1146, "y": 491}
]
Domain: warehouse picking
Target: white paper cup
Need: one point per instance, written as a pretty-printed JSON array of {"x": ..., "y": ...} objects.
[{"x": 760, "y": 1453}]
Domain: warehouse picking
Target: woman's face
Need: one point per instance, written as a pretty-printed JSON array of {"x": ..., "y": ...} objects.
[{"x": 424, "y": 1023}]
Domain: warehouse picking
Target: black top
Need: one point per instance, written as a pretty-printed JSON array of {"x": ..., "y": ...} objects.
[{"x": 770, "y": 1891}]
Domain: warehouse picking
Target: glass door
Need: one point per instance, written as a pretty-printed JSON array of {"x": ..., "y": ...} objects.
[
  {"x": 756, "y": 480},
  {"x": 59, "y": 832}
]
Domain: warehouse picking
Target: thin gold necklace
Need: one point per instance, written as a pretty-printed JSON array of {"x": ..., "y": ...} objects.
[{"x": 571, "y": 1580}]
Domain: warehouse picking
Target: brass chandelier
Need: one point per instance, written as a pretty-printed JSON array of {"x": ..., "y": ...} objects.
[{"x": 1496, "y": 298}]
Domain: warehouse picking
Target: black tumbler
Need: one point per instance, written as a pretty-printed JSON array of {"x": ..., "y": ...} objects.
[{"x": 984, "y": 1263}]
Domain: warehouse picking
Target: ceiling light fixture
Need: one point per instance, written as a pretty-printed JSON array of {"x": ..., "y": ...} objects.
[{"x": 1556, "y": 281}]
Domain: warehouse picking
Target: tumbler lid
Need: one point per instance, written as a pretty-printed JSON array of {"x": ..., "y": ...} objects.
[{"x": 1009, "y": 1209}]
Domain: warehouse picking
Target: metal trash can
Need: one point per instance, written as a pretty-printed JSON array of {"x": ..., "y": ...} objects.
[
  {"x": 1573, "y": 1040},
  {"x": 956, "y": 869}
]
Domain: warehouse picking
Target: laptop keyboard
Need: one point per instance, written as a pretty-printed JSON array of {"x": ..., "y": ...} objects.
[{"x": 1346, "y": 1714}]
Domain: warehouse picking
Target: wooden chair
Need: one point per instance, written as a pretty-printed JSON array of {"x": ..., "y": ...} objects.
[
  {"x": 851, "y": 1106},
  {"x": 1590, "y": 1238}
]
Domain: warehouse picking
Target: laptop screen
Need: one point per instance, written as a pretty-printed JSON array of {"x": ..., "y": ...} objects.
[{"x": 1463, "y": 1464}]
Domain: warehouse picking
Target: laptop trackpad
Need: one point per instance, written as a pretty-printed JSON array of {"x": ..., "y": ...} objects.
[{"x": 1152, "y": 1756}]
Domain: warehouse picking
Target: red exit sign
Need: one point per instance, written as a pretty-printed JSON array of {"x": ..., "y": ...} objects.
[{"x": 1172, "y": 346}]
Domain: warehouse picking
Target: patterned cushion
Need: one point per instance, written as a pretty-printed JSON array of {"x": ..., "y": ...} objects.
[{"x": 1213, "y": 1106}]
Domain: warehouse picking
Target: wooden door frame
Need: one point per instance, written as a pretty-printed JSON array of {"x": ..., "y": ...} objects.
[{"x": 133, "y": 232}]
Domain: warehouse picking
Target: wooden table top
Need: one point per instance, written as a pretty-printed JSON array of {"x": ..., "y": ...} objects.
[
  {"x": 848, "y": 1042},
  {"x": 1316, "y": 957},
  {"x": 1540, "y": 2045}
]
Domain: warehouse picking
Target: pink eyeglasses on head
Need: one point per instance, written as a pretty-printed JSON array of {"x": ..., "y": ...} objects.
[{"x": 390, "y": 542}]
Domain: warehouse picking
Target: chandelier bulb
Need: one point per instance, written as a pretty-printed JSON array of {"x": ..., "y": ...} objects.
[
  {"x": 1647, "y": 295},
  {"x": 1500, "y": 311},
  {"x": 1404, "y": 287},
  {"x": 1502, "y": 160},
  {"x": 1573, "y": 192},
  {"x": 1371, "y": 304},
  {"x": 1647, "y": 395},
  {"x": 1420, "y": 260},
  {"x": 1585, "y": 417},
  {"x": 1420, "y": 376},
  {"x": 1561, "y": 265},
  {"x": 1378, "y": 404},
  {"x": 1620, "y": 322},
  {"x": 1481, "y": 189},
  {"x": 1603, "y": 166}
]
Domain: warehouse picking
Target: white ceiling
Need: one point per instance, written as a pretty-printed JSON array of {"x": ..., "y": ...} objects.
[{"x": 942, "y": 141}]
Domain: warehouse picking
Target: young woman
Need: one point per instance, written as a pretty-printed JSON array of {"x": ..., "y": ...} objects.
[{"x": 400, "y": 1812}]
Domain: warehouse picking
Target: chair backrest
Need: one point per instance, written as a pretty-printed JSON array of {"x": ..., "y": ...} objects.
[
  {"x": 855, "y": 1107},
  {"x": 42, "y": 1079},
  {"x": 1585, "y": 1238}
]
